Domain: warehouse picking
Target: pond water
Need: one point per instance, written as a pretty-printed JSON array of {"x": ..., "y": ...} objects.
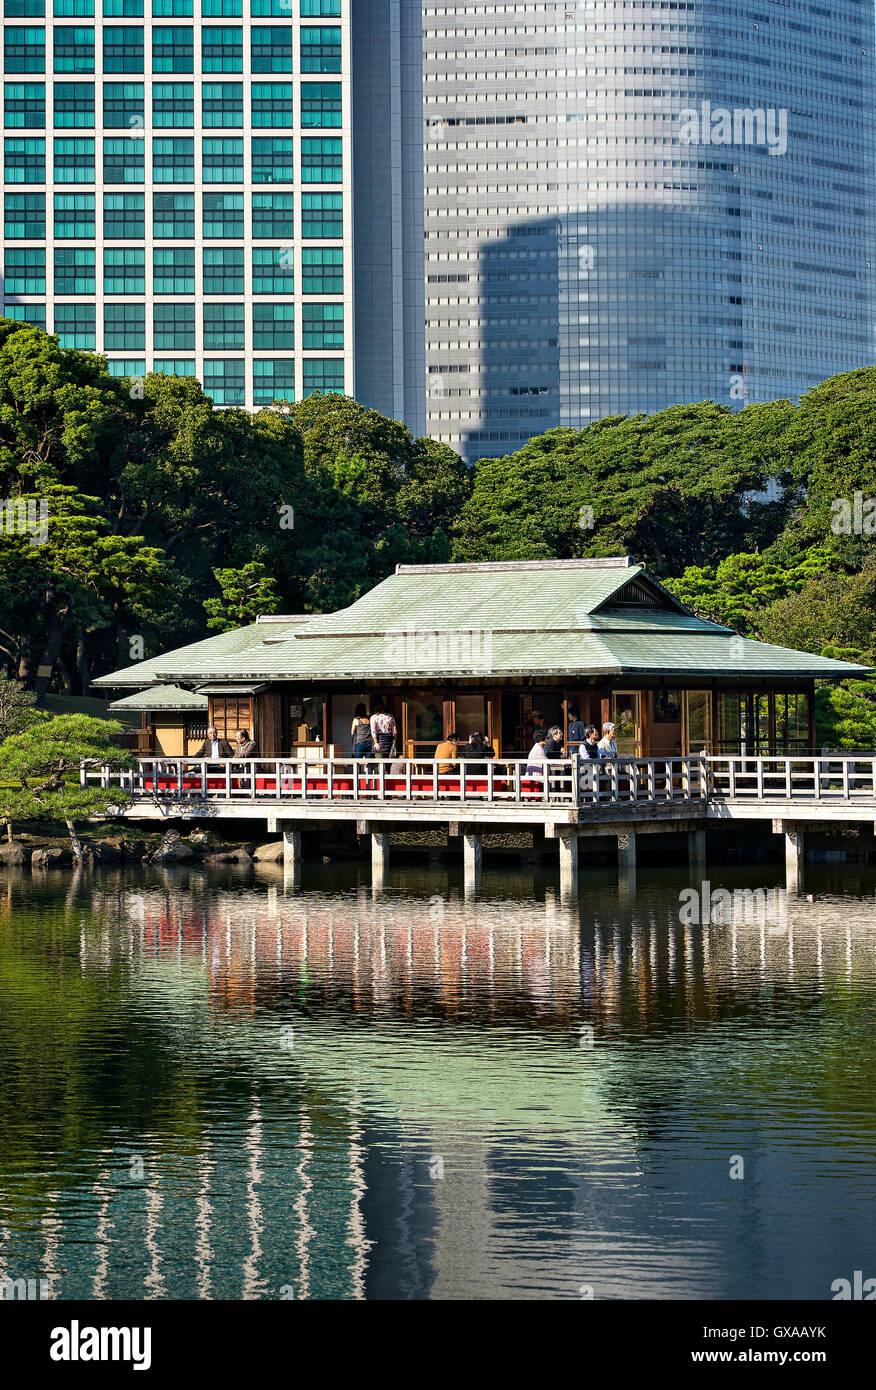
[{"x": 214, "y": 1086}]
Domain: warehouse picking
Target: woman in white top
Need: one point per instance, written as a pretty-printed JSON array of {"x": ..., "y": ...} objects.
[
  {"x": 537, "y": 757},
  {"x": 607, "y": 745}
]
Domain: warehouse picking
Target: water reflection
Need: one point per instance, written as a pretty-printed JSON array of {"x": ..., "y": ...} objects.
[{"x": 215, "y": 1087}]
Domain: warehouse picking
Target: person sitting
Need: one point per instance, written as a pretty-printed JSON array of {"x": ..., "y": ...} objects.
[
  {"x": 447, "y": 748},
  {"x": 607, "y": 745},
  {"x": 360, "y": 732},
  {"x": 554, "y": 742},
  {"x": 477, "y": 747},
  {"x": 589, "y": 746},
  {"x": 588, "y": 758},
  {"x": 244, "y": 746},
  {"x": 537, "y": 756},
  {"x": 213, "y": 746}
]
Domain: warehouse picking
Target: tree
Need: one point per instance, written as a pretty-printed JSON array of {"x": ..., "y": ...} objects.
[
  {"x": 16, "y": 707},
  {"x": 40, "y": 771},
  {"x": 246, "y": 593}
]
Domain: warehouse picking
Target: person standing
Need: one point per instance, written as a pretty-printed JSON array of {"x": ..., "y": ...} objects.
[
  {"x": 577, "y": 727},
  {"x": 383, "y": 731},
  {"x": 360, "y": 732}
]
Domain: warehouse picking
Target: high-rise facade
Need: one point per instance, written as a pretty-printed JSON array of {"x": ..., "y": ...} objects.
[
  {"x": 633, "y": 204},
  {"x": 179, "y": 190}
]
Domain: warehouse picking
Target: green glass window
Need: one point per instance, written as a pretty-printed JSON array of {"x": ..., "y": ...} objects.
[
  {"x": 320, "y": 104},
  {"x": 270, "y": 9},
  {"x": 322, "y": 270},
  {"x": 124, "y": 216},
  {"x": 320, "y": 48},
  {"x": 172, "y": 9},
  {"x": 123, "y": 9},
  {"x": 74, "y": 270},
  {"x": 124, "y": 327},
  {"x": 24, "y": 216},
  {"x": 173, "y": 327},
  {"x": 173, "y": 216},
  {"x": 173, "y": 160},
  {"x": 175, "y": 366},
  {"x": 75, "y": 326},
  {"x": 221, "y": 104},
  {"x": 321, "y": 375},
  {"x": 24, "y": 49},
  {"x": 322, "y": 215},
  {"x": 321, "y": 159},
  {"x": 223, "y": 326},
  {"x": 124, "y": 270},
  {"x": 272, "y": 49},
  {"x": 221, "y": 49},
  {"x": 173, "y": 270},
  {"x": 223, "y": 215},
  {"x": 223, "y": 160},
  {"x": 322, "y": 326},
  {"x": 24, "y": 270},
  {"x": 173, "y": 104},
  {"x": 272, "y": 160},
  {"x": 223, "y": 274},
  {"x": 173, "y": 48},
  {"x": 24, "y": 9},
  {"x": 272, "y": 104},
  {"x": 273, "y": 327},
  {"x": 273, "y": 379},
  {"x": 74, "y": 216},
  {"x": 24, "y": 161},
  {"x": 226, "y": 9},
  {"x": 79, "y": 9},
  {"x": 273, "y": 215},
  {"x": 74, "y": 104},
  {"x": 27, "y": 313},
  {"x": 24, "y": 105},
  {"x": 126, "y": 366},
  {"x": 273, "y": 270},
  {"x": 320, "y": 9},
  {"x": 123, "y": 48},
  {"x": 225, "y": 381},
  {"x": 74, "y": 48},
  {"x": 123, "y": 160},
  {"x": 123, "y": 105},
  {"x": 74, "y": 160}
]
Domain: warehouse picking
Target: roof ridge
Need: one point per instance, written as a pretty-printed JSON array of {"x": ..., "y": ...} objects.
[{"x": 498, "y": 566}]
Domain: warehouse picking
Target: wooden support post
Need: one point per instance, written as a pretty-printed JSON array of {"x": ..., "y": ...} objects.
[
  {"x": 696, "y": 853},
  {"x": 568, "y": 842},
  {"x": 472, "y": 860},
  {"x": 291, "y": 856},
  {"x": 626, "y": 852},
  {"x": 379, "y": 858},
  {"x": 795, "y": 858}
]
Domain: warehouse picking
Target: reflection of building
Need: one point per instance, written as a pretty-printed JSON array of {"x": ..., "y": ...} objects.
[
  {"x": 592, "y": 251},
  {"x": 503, "y": 648}
]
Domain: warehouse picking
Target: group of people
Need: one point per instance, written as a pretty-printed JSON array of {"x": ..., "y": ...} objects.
[
  {"x": 548, "y": 745},
  {"x": 216, "y": 747}
]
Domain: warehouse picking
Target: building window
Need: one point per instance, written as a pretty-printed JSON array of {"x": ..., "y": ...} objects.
[
  {"x": 74, "y": 272},
  {"x": 74, "y": 325},
  {"x": 175, "y": 366},
  {"x": 223, "y": 274},
  {"x": 173, "y": 104},
  {"x": 123, "y": 160},
  {"x": 123, "y": 48},
  {"x": 272, "y": 161},
  {"x": 27, "y": 313},
  {"x": 74, "y": 161},
  {"x": 272, "y": 49},
  {"x": 74, "y": 104},
  {"x": 322, "y": 215},
  {"x": 222, "y": 104},
  {"x": 273, "y": 327},
  {"x": 24, "y": 9},
  {"x": 225, "y": 382},
  {"x": 74, "y": 48},
  {"x": 173, "y": 48},
  {"x": 221, "y": 49},
  {"x": 173, "y": 270},
  {"x": 24, "y": 217},
  {"x": 320, "y": 9},
  {"x": 223, "y": 160},
  {"x": 126, "y": 366},
  {"x": 322, "y": 326},
  {"x": 78, "y": 9},
  {"x": 173, "y": 161},
  {"x": 272, "y": 270},
  {"x": 273, "y": 380},
  {"x": 124, "y": 270},
  {"x": 24, "y": 105},
  {"x": 320, "y": 48},
  {"x": 321, "y": 159},
  {"x": 24, "y": 50},
  {"x": 124, "y": 327},
  {"x": 268, "y": 9},
  {"x": 74, "y": 216},
  {"x": 24, "y": 161},
  {"x": 320, "y": 104},
  {"x": 123, "y": 105},
  {"x": 223, "y": 326},
  {"x": 173, "y": 216},
  {"x": 124, "y": 216},
  {"x": 172, "y": 9},
  {"x": 272, "y": 104},
  {"x": 123, "y": 9},
  {"x": 321, "y": 375},
  {"x": 223, "y": 215},
  {"x": 24, "y": 270},
  {"x": 322, "y": 270},
  {"x": 273, "y": 215},
  {"x": 224, "y": 9},
  {"x": 174, "y": 327}
]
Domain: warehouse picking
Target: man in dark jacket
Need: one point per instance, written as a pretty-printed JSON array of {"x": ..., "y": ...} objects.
[{"x": 213, "y": 746}]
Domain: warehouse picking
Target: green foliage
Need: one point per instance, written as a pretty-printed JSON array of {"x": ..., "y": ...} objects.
[
  {"x": 39, "y": 769},
  {"x": 245, "y": 593},
  {"x": 16, "y": 707}
]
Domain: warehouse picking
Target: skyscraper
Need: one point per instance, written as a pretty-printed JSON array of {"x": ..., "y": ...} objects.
[
  {"x": 179, "y": 190},
  {"x": 632, "y": 204}
]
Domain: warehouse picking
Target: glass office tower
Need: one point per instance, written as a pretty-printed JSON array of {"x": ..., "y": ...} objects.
[
  {"x": 630, "y": 205},
  {"x": 179, "y": 188}
]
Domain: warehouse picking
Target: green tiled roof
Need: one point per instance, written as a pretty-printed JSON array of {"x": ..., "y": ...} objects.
[
  {"x": 163, "y": 697},
  {"x": 530, "y": 618}
]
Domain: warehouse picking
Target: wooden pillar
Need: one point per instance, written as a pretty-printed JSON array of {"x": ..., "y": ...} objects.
[
  {"x": 626, "y": 852},
  {"x": 795, "y": 858},
  {"x": 291, "y": 856},
  {"x": 472, "y": 861},
  {"x": 379, "y": 857},
  {"x": 696, "y": 852},
  {"x": 568, "y": 866}
]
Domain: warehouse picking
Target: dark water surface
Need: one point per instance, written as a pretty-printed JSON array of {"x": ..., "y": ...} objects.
[{"x": 213, "y": 1086}]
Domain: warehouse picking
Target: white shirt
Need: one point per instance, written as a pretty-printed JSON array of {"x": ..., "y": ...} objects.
[{"x": 214, "y": 748}]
